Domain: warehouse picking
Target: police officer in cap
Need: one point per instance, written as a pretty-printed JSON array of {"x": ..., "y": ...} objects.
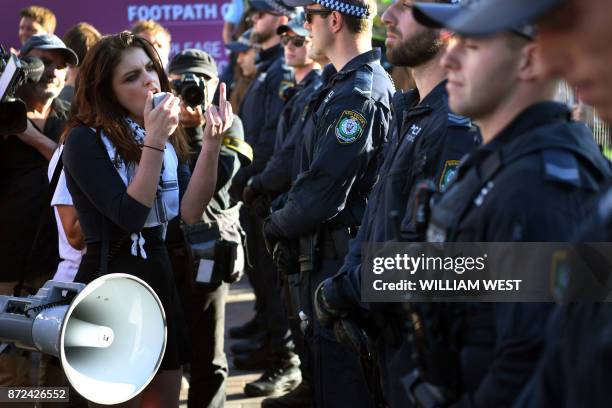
[
  {"x": 427, "y": 141},
  {"x": 574, "y": 35},
  {"x": 260, "y": 110},
  {"x": 339, "y": 159},
  {"x": 276, "y": 178},
  {"x": 534, "y": 179}
]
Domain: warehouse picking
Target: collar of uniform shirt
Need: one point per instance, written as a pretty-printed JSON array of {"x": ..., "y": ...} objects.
[
  {"x": 361, "y": 59},
  {"x": 310, "y": 76},
  {"x": 432, "y": 99},
  {"x": 270, "y": 54},
  {"x": 533, "y": 116}
]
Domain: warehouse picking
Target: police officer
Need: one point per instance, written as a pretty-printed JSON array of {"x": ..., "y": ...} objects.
[
  {"x": 276, "y": 179},
  {"x": 287, "y": 260},
  {"x": 534, "y": 179},
  {"x": 205, "y": 301},
  {"x": 260, "y": 110},
  {"x": 574, "y": 38},
  {"x": 427, "y": 141},
  {"x": 338, "y": 161}
]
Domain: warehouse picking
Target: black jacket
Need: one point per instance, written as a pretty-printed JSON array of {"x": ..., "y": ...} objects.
[
  {"x": 339, "y": 157},
  {"x": 536, "y": 181},
  {"x": 261, "y": 108}
]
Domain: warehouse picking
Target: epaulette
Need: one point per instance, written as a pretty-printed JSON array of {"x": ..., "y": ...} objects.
[
  {"x": 364, "y": 79},
  {"x": 561, "y": 166},
  {"x": 458, "y": 120}
]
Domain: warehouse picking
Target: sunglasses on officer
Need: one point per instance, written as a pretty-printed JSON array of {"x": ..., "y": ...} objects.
[
  {"x": 297, "y": 40},
  {"x": 309, "y": 13}
]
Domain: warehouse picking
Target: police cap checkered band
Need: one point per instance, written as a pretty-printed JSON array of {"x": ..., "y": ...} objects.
[{"x": 344, "y": 8}]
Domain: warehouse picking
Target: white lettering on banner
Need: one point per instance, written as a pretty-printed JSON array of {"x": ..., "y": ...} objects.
[
  {"x": 176, "y": 12},
  {"x": 214, "y": 48}
]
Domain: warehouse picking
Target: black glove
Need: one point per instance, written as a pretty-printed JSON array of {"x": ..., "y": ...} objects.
[
  {"x": 326, "y": 314},
  {"x": 261, "y": 206},
  {"x": 249, "y": 196},
  {"x": 270, "y": 236},
  {"x": 349, "y": 333},
  {"x": 285, "y": 257}
]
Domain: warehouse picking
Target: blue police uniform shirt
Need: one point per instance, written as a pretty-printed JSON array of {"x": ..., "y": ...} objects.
[
  {"x": 574, "y": 369},
  {"x": 261, "y": 108},
  {"x": 339, "y": 157},
  {"x": 304, "y": 126},
  {"x": 540, "y": 187},
  {"x": 427, "y": 142},
  {"x": 275, "y": 178}
]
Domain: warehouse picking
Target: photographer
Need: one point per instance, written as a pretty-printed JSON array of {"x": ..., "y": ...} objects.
[
  {"x": 23, "y": 185},
  {"x": 193, "y": 74}
]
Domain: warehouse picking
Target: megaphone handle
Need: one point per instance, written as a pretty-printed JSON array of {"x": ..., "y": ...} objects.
[{"x": 49, "y": 305}]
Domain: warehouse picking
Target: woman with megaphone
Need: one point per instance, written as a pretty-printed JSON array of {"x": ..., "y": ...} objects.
[{"x": 125, "y": 159}]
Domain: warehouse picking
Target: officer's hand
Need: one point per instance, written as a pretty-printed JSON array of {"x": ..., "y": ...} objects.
[
  {"x": 349, "y": 334},
  {"x": 325, "y": 313},
  {"x": 269, "y": 238},
  {"x": 249, "y": 195},
  {"x": 261, "y": 206},
  {"x": 191, "y": 117},
  {"x": 285, "y": 258}
]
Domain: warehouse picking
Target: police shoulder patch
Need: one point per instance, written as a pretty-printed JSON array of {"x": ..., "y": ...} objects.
[
  {"x": 559, "y": 275},
  {"x": 350, "y": 127},
  {"x": 283, "y": 89},
  {"x": 448, "y": 174}
]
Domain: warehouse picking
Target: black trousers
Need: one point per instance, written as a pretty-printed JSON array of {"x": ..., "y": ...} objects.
[
  {"x": 264, "y": 276},
  {"x": 204, "y": 306},
  {"x": 338, "y": 379},
  {"x": 205, "y": 310}
]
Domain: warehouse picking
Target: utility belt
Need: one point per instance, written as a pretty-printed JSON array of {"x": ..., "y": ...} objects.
[
  {"x": 330, "y": 242},
  {"x": 215, "y": 246}
]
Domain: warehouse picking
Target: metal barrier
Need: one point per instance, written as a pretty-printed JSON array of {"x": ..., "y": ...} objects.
[{"x": 585, "y": 113}]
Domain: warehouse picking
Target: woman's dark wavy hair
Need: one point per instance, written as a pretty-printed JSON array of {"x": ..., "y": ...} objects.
[{"x": 95, "y": 104}]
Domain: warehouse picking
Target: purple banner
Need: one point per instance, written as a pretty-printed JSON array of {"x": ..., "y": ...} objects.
[{"x": 192, "y": 24}]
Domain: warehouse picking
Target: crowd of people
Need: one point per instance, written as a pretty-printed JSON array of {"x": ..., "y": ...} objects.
[{"x": 304, "y": 150}]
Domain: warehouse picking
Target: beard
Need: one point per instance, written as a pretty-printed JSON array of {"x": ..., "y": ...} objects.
[
  {"x": 260, "y": 38},
  {"x": 417, "y": 50}
]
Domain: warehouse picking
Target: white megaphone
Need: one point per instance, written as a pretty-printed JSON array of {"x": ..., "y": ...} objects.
[{"x": 110, "y": 339}]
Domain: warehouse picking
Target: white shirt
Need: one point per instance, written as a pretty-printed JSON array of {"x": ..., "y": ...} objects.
[{"x": 71, "y": 258}]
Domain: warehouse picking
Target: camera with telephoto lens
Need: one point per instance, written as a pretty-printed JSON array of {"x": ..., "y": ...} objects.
[
  {"x": 191, "y": 88},
  {"x": 15, "y": 72}
]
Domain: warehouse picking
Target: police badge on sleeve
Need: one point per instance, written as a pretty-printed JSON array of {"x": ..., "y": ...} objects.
[
  {"x": 350, "y": 127},
  {"x": 448, "y": 174}
]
